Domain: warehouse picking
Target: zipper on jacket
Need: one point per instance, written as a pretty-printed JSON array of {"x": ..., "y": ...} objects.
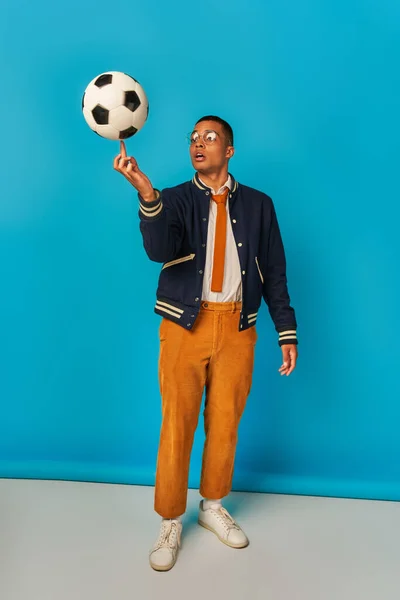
[
  {"x": 179, "y": 260},
  {"x": 259, "y": 271}
]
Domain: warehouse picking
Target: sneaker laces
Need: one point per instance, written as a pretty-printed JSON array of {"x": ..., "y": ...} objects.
[
  {"x": 225, "y": 518},
  {"x": 170, "y": 536}
]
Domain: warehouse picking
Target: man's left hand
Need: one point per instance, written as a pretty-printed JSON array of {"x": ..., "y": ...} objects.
[{"x": 290, "y": 354}]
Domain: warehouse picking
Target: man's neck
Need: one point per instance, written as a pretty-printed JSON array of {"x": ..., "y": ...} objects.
[{"x": 214, "y": 180}]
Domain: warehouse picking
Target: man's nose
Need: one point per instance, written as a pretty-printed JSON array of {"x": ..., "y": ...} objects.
[{"x": 200, "y": 143}]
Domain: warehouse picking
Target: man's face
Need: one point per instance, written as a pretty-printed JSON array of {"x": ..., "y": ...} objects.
[{"x": 210, "y": 150}]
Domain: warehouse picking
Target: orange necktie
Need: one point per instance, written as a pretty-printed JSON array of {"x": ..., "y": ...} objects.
[{"x": 220, "y": 242}]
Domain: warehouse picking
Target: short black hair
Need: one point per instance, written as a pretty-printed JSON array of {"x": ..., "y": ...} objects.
[{"x": 228, "y": 131}]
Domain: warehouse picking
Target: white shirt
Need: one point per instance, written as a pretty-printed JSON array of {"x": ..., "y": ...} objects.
[{"x": 232, "y": 285}]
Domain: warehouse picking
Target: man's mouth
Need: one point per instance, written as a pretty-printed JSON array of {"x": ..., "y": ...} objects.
[{"x": 199, "y": 156}]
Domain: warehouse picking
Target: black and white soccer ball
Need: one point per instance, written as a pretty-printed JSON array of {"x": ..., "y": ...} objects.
[{"x": 115, "y": 105}]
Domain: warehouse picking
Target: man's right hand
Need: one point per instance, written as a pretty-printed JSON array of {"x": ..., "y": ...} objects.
[{"x": 128, "y": 167}]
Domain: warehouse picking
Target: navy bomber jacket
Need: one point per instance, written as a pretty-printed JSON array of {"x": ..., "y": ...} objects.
[{"x": 174, "y": 229}]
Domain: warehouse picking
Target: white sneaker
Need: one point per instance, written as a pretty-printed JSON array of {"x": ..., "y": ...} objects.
[
  {"x": 165, "y": 551},
  {"x": 220, "y": 522}
]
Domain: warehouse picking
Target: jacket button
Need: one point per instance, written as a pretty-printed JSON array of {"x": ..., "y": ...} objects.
[
  {"x": 244, "y": 272},
  {"x": 203, "y": 245},
  {"x": 196, "y": 299},
  {"x": 204, "y": 219},
  {"x": 233, "y": 220},
  {"x": 189, "y": 325},
  {"x": 201, "y": 272},
  {"x": 240, "y": 244},
  {"x": 207, "y": 193},
  {"x": 192, "y": 316}
]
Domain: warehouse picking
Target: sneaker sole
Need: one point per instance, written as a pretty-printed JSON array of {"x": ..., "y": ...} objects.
[
  {"x": 236, "y": 546},
  {"x": 162, "y": 569}
]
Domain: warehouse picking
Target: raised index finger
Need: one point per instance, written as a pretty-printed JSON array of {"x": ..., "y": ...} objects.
[{"x": 123, "y": 149}]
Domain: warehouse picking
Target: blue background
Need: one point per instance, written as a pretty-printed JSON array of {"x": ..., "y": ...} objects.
[{"x": 312, "y": 91}]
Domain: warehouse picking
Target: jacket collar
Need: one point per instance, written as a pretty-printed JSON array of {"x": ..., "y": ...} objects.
[{"x": 198, "y": 183}]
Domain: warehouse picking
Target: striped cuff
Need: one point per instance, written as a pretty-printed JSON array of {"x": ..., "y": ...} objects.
[
  {"x": 152, "y": 209},
  {"x": 288, "y": 337}
]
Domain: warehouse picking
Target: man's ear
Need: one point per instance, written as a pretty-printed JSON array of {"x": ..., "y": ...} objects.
[{"x": 230, "y": 151}]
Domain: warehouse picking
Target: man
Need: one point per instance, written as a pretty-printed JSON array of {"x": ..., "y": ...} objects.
[{"x": 222, "y": 252}]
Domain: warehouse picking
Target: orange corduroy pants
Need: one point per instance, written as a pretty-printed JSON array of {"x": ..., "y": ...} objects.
[{"x": 216, "y": 357}]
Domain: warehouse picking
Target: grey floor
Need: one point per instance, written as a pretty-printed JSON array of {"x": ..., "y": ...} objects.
[{"x": 81, "y": 541}]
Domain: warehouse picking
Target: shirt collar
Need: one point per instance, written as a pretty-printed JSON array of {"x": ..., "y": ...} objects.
[{"x": 228, "y": 184}]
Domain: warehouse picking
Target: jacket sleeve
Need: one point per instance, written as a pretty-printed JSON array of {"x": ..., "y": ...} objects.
[
  {"x": 162, "y": 229},
  {"x": 275, "y": 290}
]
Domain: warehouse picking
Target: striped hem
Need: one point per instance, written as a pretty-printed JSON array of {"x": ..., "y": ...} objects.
[
  {"x": 288, "y": 337},
  {"x": 151, "y": 212},
  {"x": 151, "y": 209},
  {"x": 252, "y": 318},
  {"x": 169, "y": 309}
]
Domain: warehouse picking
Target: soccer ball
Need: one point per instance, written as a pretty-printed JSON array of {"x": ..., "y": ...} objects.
[{"x": 115, "y": 105}]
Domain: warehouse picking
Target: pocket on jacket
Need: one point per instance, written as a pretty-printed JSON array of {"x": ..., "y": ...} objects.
[
  {"x": 259, "y": 271},
  {"x": 178, "y": 261}
]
